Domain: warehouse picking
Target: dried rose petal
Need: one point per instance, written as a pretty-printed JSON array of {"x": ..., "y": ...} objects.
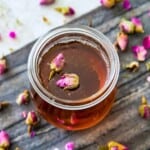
[
  {"x": 4, "y": 139},
  {"x": 32, "y": 134},
  {"x": 107, "y": 3},
  {"x": 138, "y": 25},
  {"x": 24, "y": 114},
  {"x": 126, "y": 4},
  {"x": 112, "y": 145},
  {"x": 12, "y": 34},
  {"x": 46, "y": 20},
  {"x": 127, "y": 26},
  {"x": 140, "y": 52},
  {"x": 70, "y": 146},
  {"x": 46, "y": 2},
  {"x": 23, "y": 98},
  {"x": 133, "y": 66},
  {"x": 148, "y": 79},
  {"x": 67, "y": 11},
  {"x": 146, "y": 42},
  {"x": 3, "y": 66},
  {"x": 68, "y": 81},
  {"x": 122, "y": 40},
  {"x": 57, "y": 64}
]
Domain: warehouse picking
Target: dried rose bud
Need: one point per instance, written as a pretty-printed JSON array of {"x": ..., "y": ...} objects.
[
  {"x": 68, "y": 81},
  {"x": 70, "y": 146},
  {"x": 133, "y": 66},
  {"x": 12, "y": 34},
  {"x": 3, "y": 66},
  {"x": 146, "y": 42},
  {"x": 127, "y": 26},
  {"x": 126, "y": 4},
  {"x": 107, "y": 3},
  {"x": 23, "y": 98},
  {"x": 4, "y": 140},
  {"x": 46, "y": 2},
  {"x": 138, "y": 25},
  {"x": 140, "y": 52},
  {"x": 112, "y": 145},
  {"x": 67, "y": 11},
  {"x": 32, "y": 118},
  {"x": 147, "y": 64},
  {"x": 3, "y": 105},
  {"x": 122, "y": 40},
  {"x": 144, "y": 108},
  {"x": 57, "y": 64}
]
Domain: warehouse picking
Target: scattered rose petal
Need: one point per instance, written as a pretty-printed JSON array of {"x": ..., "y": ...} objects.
[
  {"x": 46, "y": 20},
  {"x": 70, "y": 146},
  {"x": 32, "y": 134},
  {"x": 146, "y": 42},
  {"x": 112, "y": 145},
  {"x": 140, "y": 52},
  {"x": 3, "y": 105},
  {"x": 144, "y": 108},
  {"x": 67, "y": 11},
  {"x": 122, "y": 40},
  {"x": 138, "y": 25},
  {"x": 57, "y": 64},
  {"x": 127, "y": 26},
  {"x": 126, "y": 4},
  {"x": 133, "y": 66},
  {"x": 23, "y": 98},
  {"x": 148, "y": 79},
  {"x": 24, "y": 114},
  {"x": 3, "y": 66},
  {"x": 4, "y": 140},
  {"x": 68, "y": 81},
  {"x": 12, "y": 34},
  {"x": 107, "y": 3},
  {"x": 46, "y": 2}
]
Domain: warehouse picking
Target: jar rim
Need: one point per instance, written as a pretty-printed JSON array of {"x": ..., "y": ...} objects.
[{"x": 51, "y": 99}]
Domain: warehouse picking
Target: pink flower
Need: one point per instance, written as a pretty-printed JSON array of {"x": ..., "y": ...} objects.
[
  {"x": 112, "y": 145},
  {"x": 146, "y": 42},
  {"x": 67, "y": 11},
  {"x": 140, "y": 52},
  {"x": 23, "y": 98},
  {"x": 3, "y": 66},
  {"x": 57, "y": 64},
  {"x": 107, "y": 3},
  {"x": 46, "y": 2},
  {"x": 70, "y": 146},
  {"x": 68, "y": 81},
  {"x": 127, "y": 26},
  {"x": 4, "y": 140},
  {"x": 138, "y": 25},
  {"x": 12, "y": 34},
  {"x": 122, "y": 40},
  {"x": 126, "y": 4}
]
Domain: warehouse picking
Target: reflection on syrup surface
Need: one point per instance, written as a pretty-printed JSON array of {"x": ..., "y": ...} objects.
[{"x": 81, "y": 59}]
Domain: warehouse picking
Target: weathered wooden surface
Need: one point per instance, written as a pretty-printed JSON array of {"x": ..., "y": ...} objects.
[{"x": 123, "y": 124}]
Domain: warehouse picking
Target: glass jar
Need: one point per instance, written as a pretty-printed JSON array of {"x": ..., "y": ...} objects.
[{"x": 83, "y": 113}]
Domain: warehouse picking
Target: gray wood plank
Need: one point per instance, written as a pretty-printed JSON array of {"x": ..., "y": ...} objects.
[{"x": 122, "y": 124}]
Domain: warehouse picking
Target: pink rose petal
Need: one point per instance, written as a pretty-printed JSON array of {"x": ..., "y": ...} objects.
[
  {"x": 146, "y": 42},
  {"x": 46, "y": 2},
  {"x": 12, "y": 34},
  {"x": 70, "y": 146},
  {"x": 126, "y": 4},
  {"x": 140, "y": 52}
]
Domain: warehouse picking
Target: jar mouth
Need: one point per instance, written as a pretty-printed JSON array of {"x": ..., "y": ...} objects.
[{"x": 84, "y": 103}]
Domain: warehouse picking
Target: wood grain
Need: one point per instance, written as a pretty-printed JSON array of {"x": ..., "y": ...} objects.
[{"x": 123, "y": 124}]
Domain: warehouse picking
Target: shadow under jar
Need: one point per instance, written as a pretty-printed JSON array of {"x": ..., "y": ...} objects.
[{"x": 90, "y": 55}]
